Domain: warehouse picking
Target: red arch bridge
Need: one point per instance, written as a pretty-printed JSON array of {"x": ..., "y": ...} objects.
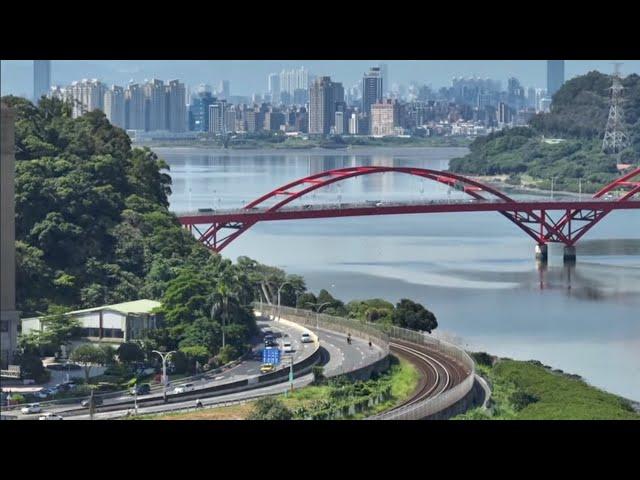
[{"x": 570, "y": 221}]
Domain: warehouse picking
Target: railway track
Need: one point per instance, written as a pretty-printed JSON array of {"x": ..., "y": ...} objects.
[{"x": 438, "y": 372}]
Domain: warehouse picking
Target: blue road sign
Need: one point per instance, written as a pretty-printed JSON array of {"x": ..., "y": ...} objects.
[{"x": 271, "y": 355}]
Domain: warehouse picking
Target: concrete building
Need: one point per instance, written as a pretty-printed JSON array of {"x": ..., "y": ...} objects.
[
  {"x": 218, "y": 121},
  {"x": 176, "y": 108},
  {"x": 371, "y": 89},
  {"x": 114, "y": 106},
  {"x": 274, "y": 87},
  {"x": 320, "y": 106},
  {"x": 41, "y": 78},
  {"x": 383, "y": 118},
  {"x": 9, "y": 317},
  {"x": 155, "y": 106},
  {"x": 135, "y": 107},
  {"x": 117, "y": 323},
  {"x": 555, "y": 76},
  {"x": 86, "y": 96},
  {"x": 224, "y": 89}
]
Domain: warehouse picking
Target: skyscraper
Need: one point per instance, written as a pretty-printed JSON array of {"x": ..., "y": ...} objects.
[
  {"x": 274, "y": 87},
  {"x": 371, "y": 89},
  {"x": 86, "y": 96},
  {"x": 176, "y": 110},
  {"x": 41, "y": 78},
  {"x": 224, "y": 90},
  {"x": 134, "y": 107},
  {"x": 199, "y": 111},
  {"x": 555, "y": 76},
  {"x": 384, "y": 73},
  {"x": 321, "y": 106},
  {"x": 114, "y": 106},
  {"x": 155, "y": 106}
]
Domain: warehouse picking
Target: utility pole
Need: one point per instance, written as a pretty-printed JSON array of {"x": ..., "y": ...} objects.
[{"x": 615, "y": 136}]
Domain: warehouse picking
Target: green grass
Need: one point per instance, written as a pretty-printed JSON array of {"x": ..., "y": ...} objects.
[{"x": 559, "y": 396}]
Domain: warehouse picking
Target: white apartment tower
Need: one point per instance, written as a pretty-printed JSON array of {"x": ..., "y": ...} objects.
[{"x": 114, "y": 106}]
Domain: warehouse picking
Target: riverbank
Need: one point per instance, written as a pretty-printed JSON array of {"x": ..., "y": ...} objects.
[
  {"x": 527, "y": 185},
  {"x": 293, "y": 143},
  {"x": 529, "y": 390}
]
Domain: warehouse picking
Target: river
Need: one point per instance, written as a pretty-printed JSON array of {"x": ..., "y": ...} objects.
[{"x": 475, "y": 271}]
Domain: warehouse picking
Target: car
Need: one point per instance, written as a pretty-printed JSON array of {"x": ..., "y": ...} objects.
[
  {"x": 268, "y": 332},
  {"x": 205, "y": 210},
  {"x": 379, "y": 204},
  {"x": 306, "y": 338},
  {"x": 267, "y": 367},
  {"x": 31, "y": 408},
  {"x": 306, "y": 207},
  {"x": 268, "y": 337},
  {"x": 287, "y": 348},
  {"x": 187, "y": 387},
  {"x": 96, "y": 401},
  {"x": 50, "y": 416},
  {"x": 142, "y": 389},
  {"x": 270, "y": 343},
  {"x": 44, "y": 393}
]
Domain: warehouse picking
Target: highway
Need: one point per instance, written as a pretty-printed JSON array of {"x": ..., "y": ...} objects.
[{"x": 339, "y": 357}]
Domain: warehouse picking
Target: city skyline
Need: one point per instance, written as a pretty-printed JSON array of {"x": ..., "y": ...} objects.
[{"x": 250, "y": 76}]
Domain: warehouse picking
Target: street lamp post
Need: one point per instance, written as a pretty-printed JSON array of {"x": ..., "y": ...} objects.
[
  {"x": 164, "y": 357},
  {"x": 318, "y": 308},
  {"x": 279, "y": 290},
  {"x": 552, "y": 182}
]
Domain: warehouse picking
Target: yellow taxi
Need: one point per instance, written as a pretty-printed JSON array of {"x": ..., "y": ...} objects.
[{"x": 267, "y": 367}]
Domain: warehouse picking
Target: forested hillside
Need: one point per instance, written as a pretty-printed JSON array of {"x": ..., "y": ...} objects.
[{"x": 578, "y": 116}]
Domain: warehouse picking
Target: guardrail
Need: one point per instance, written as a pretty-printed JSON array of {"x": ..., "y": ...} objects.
[{"x": 330, "y": 322}]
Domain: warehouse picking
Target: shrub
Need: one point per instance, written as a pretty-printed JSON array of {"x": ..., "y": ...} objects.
[
  {"x": 270, "y": 408},
  {"x": 318, "y": 374},
  {"x": 520, "y": 399},
  {"x": 483, "y": 358}
]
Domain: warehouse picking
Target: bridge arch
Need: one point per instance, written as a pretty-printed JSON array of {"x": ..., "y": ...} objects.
[{"x": 303, "y": 186}]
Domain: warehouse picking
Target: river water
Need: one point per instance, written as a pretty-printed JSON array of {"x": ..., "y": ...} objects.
[{"x": 475, "y": 271}]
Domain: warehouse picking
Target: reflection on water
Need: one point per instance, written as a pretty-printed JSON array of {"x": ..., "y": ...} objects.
[{"x": 475, "y": 271}]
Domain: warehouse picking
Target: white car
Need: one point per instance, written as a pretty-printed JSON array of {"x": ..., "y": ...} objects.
[
  {"x": 306, "y": 338},
  {"x": 187, "y": 387},
  {"x": 287, "y": 348},
  {"x": 31, "y": 408},
  {"x": 50, "y": 416}
]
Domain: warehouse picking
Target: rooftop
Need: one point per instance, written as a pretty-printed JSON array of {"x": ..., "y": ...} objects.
[{"x": 137, "y": 306}]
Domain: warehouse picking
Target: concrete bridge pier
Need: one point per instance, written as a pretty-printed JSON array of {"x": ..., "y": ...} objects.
[
  {"x": 542, "y": 252},
  {"x": 569, "y": 254}
]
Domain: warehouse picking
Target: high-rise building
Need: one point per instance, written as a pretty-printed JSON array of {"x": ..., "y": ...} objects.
[
  {"x": 384, "y": 73},
  {"x": 9, "y": 317},
  {"x": 322, "y": 94},
  {"x": 155, "y": 106},
  {"x": 224, "y": 89},
  {"x": 555, "y": 76},
  {"x": 291, "y": 80},
  {"x": 176, "y": 110},
  {"x": 114, "y": 106},
  {"x": 199, "y": 111},
  {"x": 41, "y": 78},
  {"x": 371, "y": 89},
  {"x": 135, "y": 107},
  {"x": 218, "y": 121},
  {"x": 86, "y": 96},
  {"x": 274, "y": 87},
  {"x": 503, "y": 114},
  {"x": 384, "y": 117}
]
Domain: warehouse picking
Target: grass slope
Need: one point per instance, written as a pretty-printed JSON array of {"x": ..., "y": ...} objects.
[{"x": 531, "y": 391}]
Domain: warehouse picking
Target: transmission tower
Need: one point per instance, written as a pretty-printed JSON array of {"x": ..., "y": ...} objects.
[{"x": 615, "y": 136}]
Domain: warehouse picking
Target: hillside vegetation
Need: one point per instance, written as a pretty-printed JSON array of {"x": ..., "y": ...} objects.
[{"x": 578, "y": 116}]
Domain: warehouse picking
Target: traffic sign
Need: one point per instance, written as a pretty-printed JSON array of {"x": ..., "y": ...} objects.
[{"x": 271, "y": 355}]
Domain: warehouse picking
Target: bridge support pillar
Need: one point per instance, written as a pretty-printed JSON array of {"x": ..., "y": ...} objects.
[
  {"x": 569, "y": 254},
  {"x": 542, "y": 252}
]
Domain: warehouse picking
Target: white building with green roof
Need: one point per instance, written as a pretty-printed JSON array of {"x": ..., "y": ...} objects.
[{"x": 117, "y": 323}]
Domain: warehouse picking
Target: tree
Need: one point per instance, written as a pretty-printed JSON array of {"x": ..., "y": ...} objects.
[
  {"x": 409, "y": 314},
  {"x": 270, "y": 408},
  {"x": 88, "y": 355},
  {"x": 130, "y": 352}
]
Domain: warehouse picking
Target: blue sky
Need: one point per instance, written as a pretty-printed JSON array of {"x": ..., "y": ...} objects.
[{"x": 248, "y": 76}]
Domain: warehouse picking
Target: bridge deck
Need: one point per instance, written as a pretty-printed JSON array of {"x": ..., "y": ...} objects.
[{"x": 391, "y": 208}]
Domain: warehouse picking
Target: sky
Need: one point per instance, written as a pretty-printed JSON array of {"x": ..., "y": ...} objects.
[{"x": 249, "y": 76}]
